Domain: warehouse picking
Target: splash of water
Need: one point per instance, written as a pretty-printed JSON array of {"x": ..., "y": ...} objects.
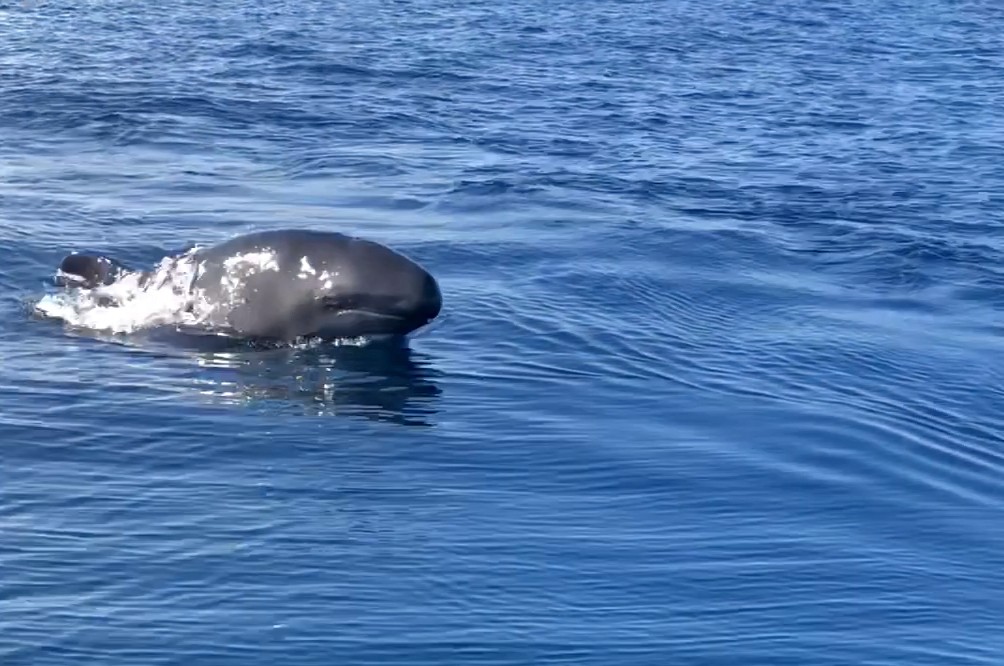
[{"x": 134, "y": 302}]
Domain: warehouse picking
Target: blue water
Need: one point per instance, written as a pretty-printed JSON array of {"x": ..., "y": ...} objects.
[{"x": 718, "y": 379}]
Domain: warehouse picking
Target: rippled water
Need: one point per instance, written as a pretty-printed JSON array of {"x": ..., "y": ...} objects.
[{"x": 718, "y": 380}]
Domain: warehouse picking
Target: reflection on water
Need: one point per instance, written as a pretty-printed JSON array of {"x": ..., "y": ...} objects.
[{"x": 383, "y": 381}]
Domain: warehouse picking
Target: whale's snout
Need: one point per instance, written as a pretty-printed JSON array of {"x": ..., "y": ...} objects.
[
  {"x": 380, "y": 292},
  {"x": 429, "y": 302},
  {"x": 404, "y": 291}
]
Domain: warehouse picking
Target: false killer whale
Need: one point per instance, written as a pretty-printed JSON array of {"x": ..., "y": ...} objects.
[{"x": 285, "y": 285}]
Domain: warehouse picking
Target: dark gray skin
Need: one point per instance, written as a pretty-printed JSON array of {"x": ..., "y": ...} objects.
[
  {"x": 88, "y": 271},
  {"x": 290, "y": 284}
]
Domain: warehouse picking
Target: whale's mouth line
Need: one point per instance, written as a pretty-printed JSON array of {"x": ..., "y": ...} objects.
[{"x": 369, "y": 313}]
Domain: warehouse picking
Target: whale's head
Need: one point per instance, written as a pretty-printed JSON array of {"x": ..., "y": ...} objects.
[
  {"x": 289, "y": 284},
  {"x": 369, "y": 289}
]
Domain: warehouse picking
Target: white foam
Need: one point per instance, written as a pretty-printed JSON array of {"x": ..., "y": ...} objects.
[
  {"x": 264, "y": 260},
  {"x": 306, "y": 269},
  {"x": 127, "y": 305}
]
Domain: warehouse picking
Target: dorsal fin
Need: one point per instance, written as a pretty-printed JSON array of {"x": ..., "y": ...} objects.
[{"x": 88, "y": 271}]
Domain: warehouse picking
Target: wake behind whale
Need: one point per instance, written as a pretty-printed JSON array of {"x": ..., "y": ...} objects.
[{"x": 279, "y": 286}]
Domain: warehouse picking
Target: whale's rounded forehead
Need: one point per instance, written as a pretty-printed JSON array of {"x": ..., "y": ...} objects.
[
  {"x": 283, "y": 245},
  {"x": 292, "y": 248},
  {"x": 308, "y": 262}
]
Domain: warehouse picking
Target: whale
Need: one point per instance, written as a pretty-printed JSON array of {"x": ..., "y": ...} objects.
[{"x": 283, "y": 285}]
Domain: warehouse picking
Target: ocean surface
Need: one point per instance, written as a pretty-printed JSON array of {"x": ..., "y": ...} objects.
[{"x": 719, "y": 378}]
